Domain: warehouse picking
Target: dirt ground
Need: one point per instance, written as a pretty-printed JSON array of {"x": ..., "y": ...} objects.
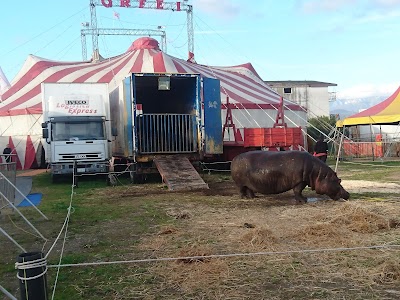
[
  {"x": 32, "y": 172},
  {"x": 364, "y": 186},
  {"x": 292, "y": 251}
]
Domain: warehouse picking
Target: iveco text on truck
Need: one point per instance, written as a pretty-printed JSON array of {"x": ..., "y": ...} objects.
[{"x": 75, "y": 128}]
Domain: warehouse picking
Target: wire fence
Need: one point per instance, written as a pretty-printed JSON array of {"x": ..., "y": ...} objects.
[{"x": 368, "y": 150}]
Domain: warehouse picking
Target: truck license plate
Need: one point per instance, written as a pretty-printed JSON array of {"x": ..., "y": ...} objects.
[{"x": 81, "y": 170}]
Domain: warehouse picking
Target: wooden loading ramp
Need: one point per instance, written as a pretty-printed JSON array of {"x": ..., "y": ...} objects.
[{"x": 178, "y": 173}]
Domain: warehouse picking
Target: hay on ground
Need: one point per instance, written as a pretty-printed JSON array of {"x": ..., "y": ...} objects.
[
  {"x": 388, "y": 272},
  {"x": 359, "y": 219},
  {"x": 259, "y": 238},
  {"x": 192, "y": 274},
  {"x": 321, "y": 233}
]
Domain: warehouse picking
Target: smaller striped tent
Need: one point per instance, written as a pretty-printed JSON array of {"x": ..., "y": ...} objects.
[{"x": 385, "y": 112}]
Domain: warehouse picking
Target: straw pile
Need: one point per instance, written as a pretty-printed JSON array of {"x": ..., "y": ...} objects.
[{"x": 257, "y": 227}]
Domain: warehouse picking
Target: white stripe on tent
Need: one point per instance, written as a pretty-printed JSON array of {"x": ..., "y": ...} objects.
[
  {"x": 147, "y": 66},
  {"x": 169, "y": 63}
]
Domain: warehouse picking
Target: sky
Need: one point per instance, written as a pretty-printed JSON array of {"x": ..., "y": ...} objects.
[{"x": 352, "y": 43}]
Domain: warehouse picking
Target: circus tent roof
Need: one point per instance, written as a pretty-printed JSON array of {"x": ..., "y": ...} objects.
[
  {"x": 385, "y": 112},
  {"x": 241, "y": 83}
]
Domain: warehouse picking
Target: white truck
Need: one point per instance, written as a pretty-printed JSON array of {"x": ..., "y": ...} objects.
[{"x": 75, "y": 128}]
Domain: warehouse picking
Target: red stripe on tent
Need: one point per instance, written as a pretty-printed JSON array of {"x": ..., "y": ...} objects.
[
  {"x": 31, "y": 74},
  {"x": 263, "y": 86},
  {"x": 32, "y": 93},
  {"x": 227, "y": 90},
  {"x": 229, "y": 80},
  {"x": 36, "y": 90},
  {"x": 35, "y": 109},
  {"x": 257, "y": 106},
  {"x": 242, "y": 101},
  {"x": 158, "y": 63},
  {"x": 249, "y": 67},
  {"x": 55, "y": 77},
  {"x": 65, "y": 72},
  {"x": 14, "y": 158},
  {"x": 110, "y": 75},
  {"x": 178, "y": 67},
  {"x": 247, "y": 88},
  {"x": 86, "y": 76},
  {"x": 30, "y": 153},
  {"x": 137, "y": 66}
]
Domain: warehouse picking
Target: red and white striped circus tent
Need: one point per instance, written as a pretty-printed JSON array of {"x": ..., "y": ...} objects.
[{"x": 254, "y": 104}]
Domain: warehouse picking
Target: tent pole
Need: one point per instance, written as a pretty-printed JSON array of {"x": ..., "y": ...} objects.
[
  {"x": 372, "y": 143},
  {"x": 339, "y": 150}
]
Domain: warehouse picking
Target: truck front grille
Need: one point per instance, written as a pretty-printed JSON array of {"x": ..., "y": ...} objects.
[{"x": 80, "y": 156}]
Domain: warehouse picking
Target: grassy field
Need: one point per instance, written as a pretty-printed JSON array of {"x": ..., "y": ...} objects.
[{"x": 135, "y": 222}]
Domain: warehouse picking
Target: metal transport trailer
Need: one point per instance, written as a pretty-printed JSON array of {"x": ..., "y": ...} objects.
[
  {"x": 75, "y": 128},
  {"x": 165, "y": 115}
]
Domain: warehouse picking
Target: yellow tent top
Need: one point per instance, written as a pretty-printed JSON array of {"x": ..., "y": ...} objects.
[{"x": 385, "y": 112}]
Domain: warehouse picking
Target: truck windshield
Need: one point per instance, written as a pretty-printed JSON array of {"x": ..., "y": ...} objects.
[{"x": 75, "y": 131}]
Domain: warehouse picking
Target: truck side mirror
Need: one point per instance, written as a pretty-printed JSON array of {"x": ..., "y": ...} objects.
[
  {"x": 45, "y": 133},
  {"x": 44, "y": 125}
]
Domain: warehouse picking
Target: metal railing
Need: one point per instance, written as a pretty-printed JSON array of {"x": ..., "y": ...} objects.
[
  {"x": 166, "y": 133},
  {"x": 8, "y": 170}
]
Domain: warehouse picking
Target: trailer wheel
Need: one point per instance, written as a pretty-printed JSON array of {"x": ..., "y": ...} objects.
[
  {"x": 133, "y": 173},
  {"x": 135, "y": 177}
]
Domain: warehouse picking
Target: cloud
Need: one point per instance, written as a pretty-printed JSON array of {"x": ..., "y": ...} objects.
[
  {"x": 367, "y": 90},
  {"x": 314, "y": 6},
  {"x": 211, "y": 32},
  {"x": 222, "y": 8},
  {"x": 386, "y": 3},
  {"x": 317, "y": 6},
  {"x": 378, "y": 17}
]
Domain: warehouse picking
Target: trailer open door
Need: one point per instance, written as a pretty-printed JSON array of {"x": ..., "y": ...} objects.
[{"x": 213, "y": 140}]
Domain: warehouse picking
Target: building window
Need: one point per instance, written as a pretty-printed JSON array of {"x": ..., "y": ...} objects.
[{"x": 287, "y": 90}]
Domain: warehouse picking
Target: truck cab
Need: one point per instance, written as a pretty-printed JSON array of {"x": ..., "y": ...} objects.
[{"x": 75, "y": 128}]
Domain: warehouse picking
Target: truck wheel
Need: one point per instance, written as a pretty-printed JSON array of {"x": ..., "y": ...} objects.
[{"x": 55, "y": 178}]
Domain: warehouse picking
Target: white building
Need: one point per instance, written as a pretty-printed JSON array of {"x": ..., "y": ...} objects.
[{"x": 313, "y": 95}]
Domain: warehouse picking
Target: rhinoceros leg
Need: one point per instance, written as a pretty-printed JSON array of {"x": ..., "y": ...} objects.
[
  {"x": 298, "y": 192},
  {"x": 245, "y": 192}
]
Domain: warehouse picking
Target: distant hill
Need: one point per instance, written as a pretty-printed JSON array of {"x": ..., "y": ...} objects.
[
  {"x": 348, "y": 107},
  {"x": 342, "y": 113}
]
